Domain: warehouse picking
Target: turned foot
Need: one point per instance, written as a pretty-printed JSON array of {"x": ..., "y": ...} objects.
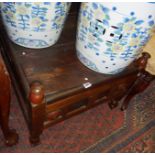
[
  {"x": 34, "y": 140},
  {"x": 113, "y": 104},
  {"x": 11, "y": 138}
]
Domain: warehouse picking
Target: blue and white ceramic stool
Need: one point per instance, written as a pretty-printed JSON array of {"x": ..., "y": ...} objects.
[
  {"x": 110, "y": 35},
  {"x": 34, "y": 25}
]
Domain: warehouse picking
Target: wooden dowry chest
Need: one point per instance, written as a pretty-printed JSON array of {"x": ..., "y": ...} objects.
[{"x": 52, "y": 85}]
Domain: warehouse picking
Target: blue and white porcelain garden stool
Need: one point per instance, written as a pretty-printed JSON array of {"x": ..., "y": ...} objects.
[
  {"x": 34, "y": 24},
  {"x": 110, "y": 35}
]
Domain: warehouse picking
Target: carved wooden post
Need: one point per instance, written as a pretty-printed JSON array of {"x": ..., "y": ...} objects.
[
  {"x": 143, "y": 80},
  {"x": 37, "y": 119},
  {"x": 11, "y": 136},
  {"x": 142, "y": 61}
]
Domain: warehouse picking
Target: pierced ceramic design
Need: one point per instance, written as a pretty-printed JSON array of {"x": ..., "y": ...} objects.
[
  {"x": 110, "y": 35},
  {"x": 34, "y": 24}
]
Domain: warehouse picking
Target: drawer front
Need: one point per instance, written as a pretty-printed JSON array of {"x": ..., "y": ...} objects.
[
  {"x": 76, "y": 107},
  {"x": 86, "y": 99},
  {"x": 68, "y": 110}
]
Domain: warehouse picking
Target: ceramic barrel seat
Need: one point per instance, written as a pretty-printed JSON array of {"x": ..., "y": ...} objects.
[
  {"x": 110, "y": 35},
  {"x": 34, "y": 25}
]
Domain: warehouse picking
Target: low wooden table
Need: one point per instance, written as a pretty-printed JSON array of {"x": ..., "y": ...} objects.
[
  {"x": 10, "y": 135},
  {"x": 53, "y": 85}
]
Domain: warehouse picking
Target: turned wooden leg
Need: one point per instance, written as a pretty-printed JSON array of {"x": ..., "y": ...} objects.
[
  {"x": 139, "y": 86},
  {"x": 10, "y": 136},
  {"x": 142, "y": 82},
  {"x": 37, "y": 112}
]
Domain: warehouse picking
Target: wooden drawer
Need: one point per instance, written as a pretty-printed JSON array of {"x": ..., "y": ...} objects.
[
  {"x": 68, "y": 110},
  {"x": 88, "y": 98}
]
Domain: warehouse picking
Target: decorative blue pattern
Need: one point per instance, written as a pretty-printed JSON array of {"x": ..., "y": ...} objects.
[
  {"x": 23, "y": 21},
  {"x": 9, "y": 7},
  {"x": 140, "y": 33},
  {"x": 97, "y": 28},
  {"x": 34, "y": 42},
  {"x": 8, "y": 17},
  {"x": 87, "y": 62},
  {"x": 60, "y": 11},
  {"x": 39, "y": 14}
]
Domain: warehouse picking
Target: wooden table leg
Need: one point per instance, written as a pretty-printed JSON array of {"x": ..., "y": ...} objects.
[
  {"x": 143, "y": 80},
  {"x": 139, "y": 86},
  {"x": 38, "y": 112},
  {"x": 10, "y": 136}
]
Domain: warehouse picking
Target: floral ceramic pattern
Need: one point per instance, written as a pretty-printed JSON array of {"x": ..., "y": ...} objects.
[
  {"x": 37, "y": 42},
  {"x": 130, "y": 27},
  {"x": 106, "y": 44},
  {"x": 87, "y": 62},
  {"x": 60, "y": 12},
  {"x": 37, "y": 22}
]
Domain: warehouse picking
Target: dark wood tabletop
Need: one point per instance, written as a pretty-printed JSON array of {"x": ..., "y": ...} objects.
[{"x": 56, "y": 67}]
